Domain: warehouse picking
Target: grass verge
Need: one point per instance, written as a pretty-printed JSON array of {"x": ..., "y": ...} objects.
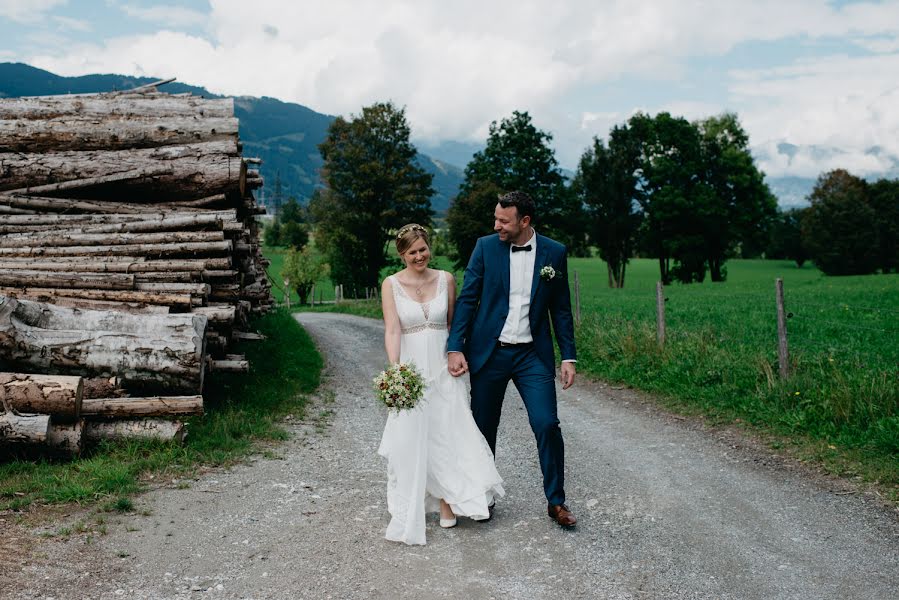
[{"x": 241, "y": 410}]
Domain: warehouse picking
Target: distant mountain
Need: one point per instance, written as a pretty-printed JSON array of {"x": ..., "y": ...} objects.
[
  {"x": 794, "y": 191},
  {"x": 451, "y": 152},
  {"x": 283, "y": 134},
  {"x": 791, "y": 191}
]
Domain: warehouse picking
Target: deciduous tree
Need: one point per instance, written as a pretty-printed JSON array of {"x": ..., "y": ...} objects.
[
  {"x": 840, "y": 227},
  {"x": 518, "y": 156},
  {"x": 606, "y": 184},
  {"x": 373, "y": 186}
]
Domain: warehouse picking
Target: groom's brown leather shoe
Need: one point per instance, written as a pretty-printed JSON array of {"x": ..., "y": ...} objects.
[{"x": 561, "y": 515}]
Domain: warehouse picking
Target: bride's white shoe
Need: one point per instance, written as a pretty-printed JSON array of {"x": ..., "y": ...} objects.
[{"x": 447, "y": 523}]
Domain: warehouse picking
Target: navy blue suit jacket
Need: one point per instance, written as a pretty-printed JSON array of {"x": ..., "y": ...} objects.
[{"x": 483, "y": 304}]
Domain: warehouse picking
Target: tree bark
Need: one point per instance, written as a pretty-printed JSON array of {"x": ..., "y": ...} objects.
[
  {"x": 216, "y": 314},
  {"x": 194, "y": 170},
  {"x": 112, "y": 132},
  {"x": 156, "y": 429},
  {"x": 112, "y": 264},
  {"x": 27, "y": 429},
  {"x": 229, "y": 366},
  {"x": 141, "y": 297},
  {"x": 143, "y": 351},
  {"x": 122, "y": 105},
  {"x": 102, "y": 305},
  {"x": 73, "y": 227},
  {"x": 153, "y": 406},
  {"x": 151, "y": 214},
  {"x": 66, "y": 437},
  {"x": 56, "y": 395},
  {"x": 45, "y": 239},
  {"x": 156, "y": 250},
  {"x": 97, "y": 281}
]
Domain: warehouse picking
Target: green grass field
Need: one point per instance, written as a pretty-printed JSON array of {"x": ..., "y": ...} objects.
[
  {"x": 241, "y": 410},
  {"x": 841, "y": 403},
  {"x": 720, "y": 357}
]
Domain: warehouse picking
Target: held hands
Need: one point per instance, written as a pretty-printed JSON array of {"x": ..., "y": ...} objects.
[
  {"x": 567, "y": 374},
  {"x": 456, "y": 364}
]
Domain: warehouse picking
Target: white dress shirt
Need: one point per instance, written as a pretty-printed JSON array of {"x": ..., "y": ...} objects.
[{"x": 517, "y": 328}]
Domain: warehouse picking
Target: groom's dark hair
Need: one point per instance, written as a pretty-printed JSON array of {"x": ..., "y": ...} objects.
[{"x": 522, "y": 202}]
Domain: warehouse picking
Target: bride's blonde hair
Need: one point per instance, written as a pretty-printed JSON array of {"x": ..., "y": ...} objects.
[{"x": 408, "y": 234}]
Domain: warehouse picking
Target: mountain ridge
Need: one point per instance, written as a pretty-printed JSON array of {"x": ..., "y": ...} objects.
[{"x": 285, "y": 135}]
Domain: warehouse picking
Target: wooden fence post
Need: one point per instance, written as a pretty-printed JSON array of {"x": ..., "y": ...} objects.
[
  {"x": 336, "y": 293},
  {"x": 660, "y": 313},
  {"x": 287, "y": 293},
  {"x": 577, "y": 299},
  {"x": 783, "y": 353}
]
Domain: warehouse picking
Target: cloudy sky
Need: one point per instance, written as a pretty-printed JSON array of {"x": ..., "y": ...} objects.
[{"x": 815, "y": 83}]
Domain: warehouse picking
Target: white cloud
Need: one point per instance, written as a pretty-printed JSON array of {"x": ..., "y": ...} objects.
[
  {"x": 840, "y": 102},
  {"x": 27, "y": 11},
  {"x": 458, "y": 66},
  {"x": 68, "y": 23},
  {"x": 172, "y": 16}
]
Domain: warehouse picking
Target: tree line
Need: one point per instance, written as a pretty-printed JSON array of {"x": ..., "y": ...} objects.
[{"x": 688, "y": 194}]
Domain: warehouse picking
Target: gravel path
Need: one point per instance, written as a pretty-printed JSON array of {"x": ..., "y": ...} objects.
[{"x": 666, "y": 508}]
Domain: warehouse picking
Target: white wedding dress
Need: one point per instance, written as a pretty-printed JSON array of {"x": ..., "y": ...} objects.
[{"x": 434, "y": 450}]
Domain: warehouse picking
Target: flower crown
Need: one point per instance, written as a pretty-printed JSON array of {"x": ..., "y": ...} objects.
[{"x": 408, "y": 228}]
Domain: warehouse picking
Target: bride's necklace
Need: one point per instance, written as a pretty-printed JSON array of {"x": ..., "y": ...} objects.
[{"x": 418, "y": 291}]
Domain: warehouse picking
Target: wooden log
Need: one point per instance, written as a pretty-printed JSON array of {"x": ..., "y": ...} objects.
[
  {"x": 9, "y": 210},
  {"x": 102, "y": 387},
  {"x": 198, "y": 289},
  {"x": 151, "y": 214},
  {"x": 56, "y": 279},
  {"x": 68, "y": 228},
  {"x": 56, "y": 395},
  {"x": 113, "y": 177},
  {"x": 33, "y": 203},
  {"x": 42, "y": 238},
  {"x": 113, "y": 264},
  {"x": 229, "y": 366},
  {"x": 156, "y": 250},
  {"x": 247, "y": 335},
  {"x": 216, "y": 314},
  {"x": 216, "y": 343},
  {"x": 145, "y": 351},
  {"x": 100, "y": 106},
  {"x": 198, "y": 203},
  {"x": 169, "y": 277},
  {"x": 24, "y": 429},
  {"x": 155, "y": 429},
  {"x": 118, "y": 305},
  {"x": 194, "y": 170},
  {"x": 111, "y": 132},
  {"x": 50, "y": 316},
  {"x": 152, "y": 406},
  {"x": 66, "y": 437},
  {"x": 141, "y": 297}
]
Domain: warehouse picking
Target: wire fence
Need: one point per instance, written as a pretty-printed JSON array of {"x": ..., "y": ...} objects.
[{"x": 743, "y": 318}]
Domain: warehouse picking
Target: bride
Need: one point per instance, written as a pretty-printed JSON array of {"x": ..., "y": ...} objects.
[{"x": 437, "y": 459}]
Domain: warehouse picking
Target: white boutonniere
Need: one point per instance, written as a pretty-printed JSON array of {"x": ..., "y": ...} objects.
[{"x": 547, "y": 273}]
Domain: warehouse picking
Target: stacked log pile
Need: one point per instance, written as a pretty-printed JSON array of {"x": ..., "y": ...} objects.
[{"x": 128, "y": 250}]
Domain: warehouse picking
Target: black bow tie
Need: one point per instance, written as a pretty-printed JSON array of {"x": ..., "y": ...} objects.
[{"x": 521, "y": 248}]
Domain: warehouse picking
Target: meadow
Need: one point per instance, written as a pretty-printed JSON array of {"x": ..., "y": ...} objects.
[{"x": 840, "y": 405}]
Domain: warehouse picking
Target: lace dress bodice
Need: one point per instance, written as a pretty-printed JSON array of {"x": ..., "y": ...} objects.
[{"x": 423, "y": 326}]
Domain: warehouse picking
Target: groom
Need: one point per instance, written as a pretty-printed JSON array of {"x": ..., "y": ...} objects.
[{"x": 514, "y": 285}]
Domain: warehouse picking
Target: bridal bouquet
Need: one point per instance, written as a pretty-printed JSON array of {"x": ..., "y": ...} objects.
[{"x": 399, "y": 386}]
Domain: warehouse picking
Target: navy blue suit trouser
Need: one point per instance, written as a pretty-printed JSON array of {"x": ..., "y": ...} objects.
[{"x": 537, "y": 387}]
